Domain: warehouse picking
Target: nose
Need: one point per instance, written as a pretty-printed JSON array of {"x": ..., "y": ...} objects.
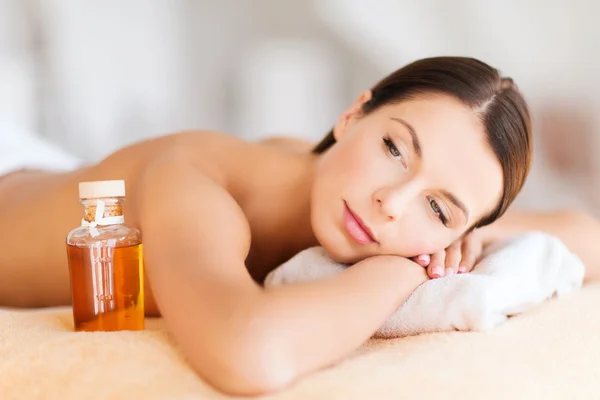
[{"x": 392, "y": 201}]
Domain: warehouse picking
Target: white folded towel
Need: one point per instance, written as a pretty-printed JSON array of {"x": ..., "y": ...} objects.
[{"x": 511, "y": 277}]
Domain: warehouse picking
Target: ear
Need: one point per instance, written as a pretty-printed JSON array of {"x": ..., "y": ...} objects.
[{"x": 354, "y": 111}]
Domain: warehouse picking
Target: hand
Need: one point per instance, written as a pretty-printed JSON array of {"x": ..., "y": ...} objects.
[{"x": 459, "y": 258}]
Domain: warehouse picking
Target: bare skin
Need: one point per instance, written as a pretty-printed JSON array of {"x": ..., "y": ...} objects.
[
  {"x": 31, "y": 194},
  {"x": 217, "y": 214},
  {"x": 160, "y": 170}
]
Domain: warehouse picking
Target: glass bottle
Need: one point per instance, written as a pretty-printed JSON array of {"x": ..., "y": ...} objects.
[{"x": 105, "y": 262}]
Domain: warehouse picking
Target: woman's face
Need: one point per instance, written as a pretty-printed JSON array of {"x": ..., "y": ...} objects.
[{"x": 406, "y": 179}]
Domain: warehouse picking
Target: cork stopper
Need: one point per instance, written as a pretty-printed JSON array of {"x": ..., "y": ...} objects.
[{"x": 99, "y": 189}]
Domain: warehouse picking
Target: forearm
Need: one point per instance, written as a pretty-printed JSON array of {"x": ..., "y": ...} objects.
[
  {"x": 252, "y": 341},
  {"x": 320, "y": 322},
  {"x": 576, "y": 230}
]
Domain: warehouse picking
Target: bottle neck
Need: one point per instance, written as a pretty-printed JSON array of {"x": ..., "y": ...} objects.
[{"x": 95, "y": 210}]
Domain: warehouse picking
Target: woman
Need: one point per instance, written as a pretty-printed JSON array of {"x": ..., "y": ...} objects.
[{"x": 436, "y": 149}]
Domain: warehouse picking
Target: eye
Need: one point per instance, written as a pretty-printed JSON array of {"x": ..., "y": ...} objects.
[
  {"x": 393, "y": 150},
  {"x": 438, "y": 211}
]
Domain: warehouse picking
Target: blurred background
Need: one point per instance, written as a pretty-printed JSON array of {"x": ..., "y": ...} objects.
[{"x": 93, "y": 76}]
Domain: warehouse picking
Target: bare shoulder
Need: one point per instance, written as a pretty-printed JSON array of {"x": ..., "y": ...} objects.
[
  {"x": 226, "y": 142},
  {"x": 180, "y": 204},
  {"x": 174, "y": 182},
  {"x": 179, "y": 207},
  {"x": 292, "y": 144},
  {"x": 211, "y": 148},
  {"x": 205, "y": 138},
  {"x": 202, "y": 143}
]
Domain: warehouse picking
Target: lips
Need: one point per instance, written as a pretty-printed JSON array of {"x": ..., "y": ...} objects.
[{"x": 356, "y": 227}]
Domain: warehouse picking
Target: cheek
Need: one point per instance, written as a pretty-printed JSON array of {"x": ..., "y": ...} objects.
[
  {"x": 365, "y": 169},
  {"x": 354, "y": 168}
]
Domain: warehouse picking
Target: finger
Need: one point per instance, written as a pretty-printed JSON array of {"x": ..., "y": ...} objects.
[
  {"x": 436, "y": 266},
  {"x": 453, "y": 258},
  {"x": 423, "y": 260},
  {"x": 471, "y": 250}
]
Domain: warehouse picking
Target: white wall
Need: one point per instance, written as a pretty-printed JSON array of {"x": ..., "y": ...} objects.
[{"x": 96, "y": 75}]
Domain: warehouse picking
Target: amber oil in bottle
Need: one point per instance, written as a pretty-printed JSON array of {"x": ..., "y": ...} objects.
[{"x": 105, "y": 262}]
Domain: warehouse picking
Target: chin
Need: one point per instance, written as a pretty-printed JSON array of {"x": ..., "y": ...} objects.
[
  {"x": 340, "y": 256},
  {"x": 337, "y": 245},
  {"x": 339, "y": 249},
  {"x": 331, "y": 246}
]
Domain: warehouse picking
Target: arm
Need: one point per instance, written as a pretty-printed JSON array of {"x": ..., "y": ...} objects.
[
  {"x": 576, "y": 229},
  {"x": 239, "y": 337}
]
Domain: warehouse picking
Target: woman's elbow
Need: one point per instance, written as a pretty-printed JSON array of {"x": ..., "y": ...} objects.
[{"x": 251, "y": 364}]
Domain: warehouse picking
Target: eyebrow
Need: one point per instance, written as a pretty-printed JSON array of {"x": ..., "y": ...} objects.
[
  {"x": 413, "y": 134},
  {"x": 417, "y": 148},
  {"x": 454, "y": 200}
]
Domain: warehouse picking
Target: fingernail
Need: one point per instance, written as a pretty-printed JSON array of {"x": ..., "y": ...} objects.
[
  {"x": 449, "y": 272},
  {"x": 437, "y": 270},
  {"x": 424, "y": 259},
  {"x": 462, "y": 269}
]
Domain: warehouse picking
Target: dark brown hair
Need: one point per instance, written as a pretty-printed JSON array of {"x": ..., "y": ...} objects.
[{"x": 496, "y": 99}]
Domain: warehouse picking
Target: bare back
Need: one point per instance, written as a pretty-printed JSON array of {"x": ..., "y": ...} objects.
[{"x": 259, "y": 176}]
